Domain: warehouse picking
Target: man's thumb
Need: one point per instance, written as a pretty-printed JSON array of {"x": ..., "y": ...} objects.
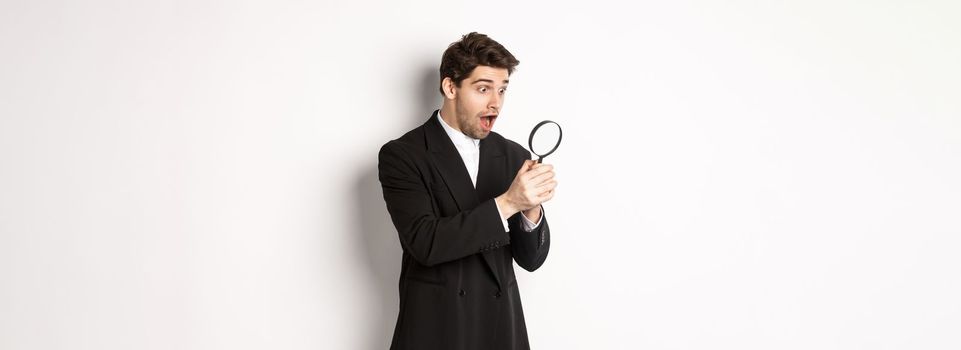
[{"x": 527, "y": 165}]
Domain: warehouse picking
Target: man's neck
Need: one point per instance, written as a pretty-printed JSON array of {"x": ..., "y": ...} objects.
[{"x": 449, "y": 114}]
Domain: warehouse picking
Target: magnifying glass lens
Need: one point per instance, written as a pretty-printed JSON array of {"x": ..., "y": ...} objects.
[{"x": 544, "y": 139}]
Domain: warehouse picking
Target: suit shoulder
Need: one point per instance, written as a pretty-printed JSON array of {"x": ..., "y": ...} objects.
[
  {"x": 396, "y": 157},
  {"x": 408, "y": 142}
]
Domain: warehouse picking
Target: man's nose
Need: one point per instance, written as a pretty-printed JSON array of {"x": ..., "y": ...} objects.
[{"x": 495, "y": 102}]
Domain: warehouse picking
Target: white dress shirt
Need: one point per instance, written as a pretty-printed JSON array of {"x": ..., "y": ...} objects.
[{"x": 469, "y": 150}]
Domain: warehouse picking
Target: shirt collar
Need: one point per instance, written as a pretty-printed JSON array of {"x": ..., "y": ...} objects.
[{"x": 460, "y": 139}]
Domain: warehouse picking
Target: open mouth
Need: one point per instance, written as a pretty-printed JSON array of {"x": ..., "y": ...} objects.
[{"x": 487, "y": 122}]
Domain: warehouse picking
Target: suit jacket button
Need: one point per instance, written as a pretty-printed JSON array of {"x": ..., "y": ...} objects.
[
  {"x": 462, "y": 293},
  {"x": 497, "y": 295}
]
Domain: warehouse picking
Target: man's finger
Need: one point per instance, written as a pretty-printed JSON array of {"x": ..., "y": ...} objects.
[
  {"x": 546, "y": 196},
  {"x": 549, "y": 185},
  {"x": 539, "y": 191},
  {"x": 538, "y": 180},
  {"x": 542, "y": 165},
  {"x": 537, "y": 170}
]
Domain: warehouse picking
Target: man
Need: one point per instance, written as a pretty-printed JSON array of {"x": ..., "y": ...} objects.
[{"x": 466, "y": 203}]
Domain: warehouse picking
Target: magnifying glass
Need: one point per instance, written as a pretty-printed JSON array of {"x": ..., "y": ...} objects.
[{"x": 545, "y": 138}]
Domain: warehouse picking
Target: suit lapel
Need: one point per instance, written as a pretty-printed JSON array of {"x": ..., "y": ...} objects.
[
  {"x": 492, "y": 170},
  {"x": 490, "y": 180},
  {"x": 450, "y": 165}
]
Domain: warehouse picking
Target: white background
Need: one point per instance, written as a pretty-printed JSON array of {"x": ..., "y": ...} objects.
[{"x": 738, "y": 175}]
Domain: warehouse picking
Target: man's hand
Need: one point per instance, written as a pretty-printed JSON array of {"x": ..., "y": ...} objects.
[{"x": 533, "y": 185}]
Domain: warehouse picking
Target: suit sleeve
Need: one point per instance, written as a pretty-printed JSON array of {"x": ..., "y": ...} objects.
[
  {"x": 530, "y": 248},
  {"x": 428, "y": 238}
]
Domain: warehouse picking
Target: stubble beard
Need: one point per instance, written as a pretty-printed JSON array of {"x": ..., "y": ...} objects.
[{"x": 468, "y": 126}]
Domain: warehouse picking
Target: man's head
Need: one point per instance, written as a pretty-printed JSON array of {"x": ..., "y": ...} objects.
[{"x": 474, "y": 74}]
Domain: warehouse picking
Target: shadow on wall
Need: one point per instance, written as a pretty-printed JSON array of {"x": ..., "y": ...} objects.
[{"x": 377, "y": 236}]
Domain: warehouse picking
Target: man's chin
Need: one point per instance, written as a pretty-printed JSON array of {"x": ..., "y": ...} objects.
[{"x": 478, "y": 134}]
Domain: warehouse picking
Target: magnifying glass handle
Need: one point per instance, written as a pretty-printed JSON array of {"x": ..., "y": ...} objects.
[{"x": 539, "y": 159}]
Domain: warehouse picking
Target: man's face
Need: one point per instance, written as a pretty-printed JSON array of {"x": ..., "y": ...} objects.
[{"x": 479, "y": 99}]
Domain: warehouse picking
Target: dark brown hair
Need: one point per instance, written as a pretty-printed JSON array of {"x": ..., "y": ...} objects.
[{"x": 472, "y": 50}]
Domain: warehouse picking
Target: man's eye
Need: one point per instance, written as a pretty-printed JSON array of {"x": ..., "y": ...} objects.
[
  {"x": 503, "y": 91},
  {"x": 483, "y": 89}
]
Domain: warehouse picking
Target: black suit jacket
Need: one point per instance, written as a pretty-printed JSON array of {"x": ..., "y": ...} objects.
[{"x": 457, "y": 284}]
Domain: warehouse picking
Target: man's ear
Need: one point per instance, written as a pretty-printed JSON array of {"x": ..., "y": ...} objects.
[{"x": 450, "y": 90}]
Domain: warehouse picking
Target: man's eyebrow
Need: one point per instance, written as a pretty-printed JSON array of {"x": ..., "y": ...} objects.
[{"x": 487, "y": 81}]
